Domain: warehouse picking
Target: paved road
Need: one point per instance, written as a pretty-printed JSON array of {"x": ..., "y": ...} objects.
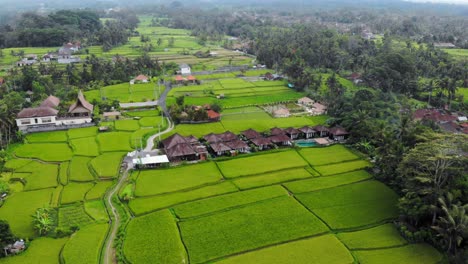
[
  {"x": 138, "y": 104},
  {"x": 109, "y": 254}
]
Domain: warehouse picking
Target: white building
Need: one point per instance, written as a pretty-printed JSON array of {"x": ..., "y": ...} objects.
[
  {"x": 46, "y": 115},
  {"x": 185, "y": 69}
]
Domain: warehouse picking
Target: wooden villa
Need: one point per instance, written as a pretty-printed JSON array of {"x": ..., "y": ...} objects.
[
  {"x": 338, "y": 133},
  {"x": 292, "y": 132},
  {"x": 180, "y": 148},
  {"x": 307, "y": 131},
  {"x": 250, "y": 134}
]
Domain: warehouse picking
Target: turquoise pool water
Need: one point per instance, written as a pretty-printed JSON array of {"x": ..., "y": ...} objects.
[{"x": 306, "y": 143}]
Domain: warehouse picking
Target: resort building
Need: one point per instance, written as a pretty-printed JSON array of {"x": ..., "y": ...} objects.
[
  {"x": 179, "y": 148},
  {"x": 45, "y": 117}
]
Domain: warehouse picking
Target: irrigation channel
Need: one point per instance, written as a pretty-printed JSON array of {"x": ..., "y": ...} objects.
[{"x": 109, "y": 256}]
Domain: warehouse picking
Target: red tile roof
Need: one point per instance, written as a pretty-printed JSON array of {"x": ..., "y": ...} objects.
[
  {"x": 212, "y": 114},
  {"x": 433, "y": 115},
  {"x": 191, "y": 78},
  {"x": 141, "y": 77},
  {"x": 37, "y": 112},
  {"x": 179, "y": 78}
]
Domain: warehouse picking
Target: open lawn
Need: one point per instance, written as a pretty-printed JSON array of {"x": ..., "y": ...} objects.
[
  {"x": 85, "y": 146},
  {"x": 98, "y": 191},
  {"x": 53, "y": 137},
  {"x": 318, "y": 183},
  {"x": 410, "y": 254},
  {"x": 85, "y": 245},
  {"x": 250, "y": 165},
  {"x": 97, "y": 211},
  {"x": 143, "y": 246},
  {"x": 271, "y": 178},
  {"x": 114, "y": 141},
  {"x": 327, "y": 155},
  {"x": 42, "y": 250},
  {"x": 353, "y": 205},
  {"x": 75, "y": 192},
  {"x": 323, "y": 249},
  {"x": 342, "y": 167},
  {"x": 270, "y": 222},
  {"x": 151, "y": 182},
  {"x": 19, "y": 207},
  {"x": 148, "y": 204},
  {"x": 126, "y": 125},
  {"x": 107, "y": 165},
  {"x": 73, "y": 216},
  {"x": 377, "y": 237},
  {"x": 82, "y": 132},
  {"x": 55, "y": 151},
  {"x": 227, "y": 201},
  {"x": 79, "y": 169}
]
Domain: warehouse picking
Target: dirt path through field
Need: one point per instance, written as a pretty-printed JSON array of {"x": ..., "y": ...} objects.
[{"x": 109, "y": 251}]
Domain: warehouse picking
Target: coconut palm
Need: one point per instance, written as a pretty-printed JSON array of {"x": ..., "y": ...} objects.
[{"x": 452, "y": 227}]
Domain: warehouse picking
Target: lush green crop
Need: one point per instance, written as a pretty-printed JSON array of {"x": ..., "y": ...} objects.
[
  {"x": 143, "y": 113},
  {"x": 19, "y": 208},
  {"x": 251, "y": 165},
  {"x": 55, "y": 200},
  {"x": 154, "y": 238},
  {"x": 327, "y": 155},
  {"x": 107, "y": 165},
  {"x": 97, "y": 211},
  {"x": 153, "y": 121},
  {"x": 75, "y": 192},
  {"x": 342, "y": 167},
  {"x": 414, "y": 253},
  {"x": 149, "y": 204},
  {"x": 138, "y": 138},
  {"x": 40, "y": 175},
  {"x": 82, "y": 132},
  {"x": 323, "y": 249},
  {"x": 55, "y": 151},
  {"x": 223, "y": 202},
  {"x": 73, "y": 216},
  {"x": 271, "y": 178},
  {"x": 318, "y": 183},
  {"x": 85, "y": 146},
  {"x": 114, "y": 141},
  {"x": 127, "y": 125},
  {"x": 54, "y": 136},
  {"x": 352, "y": 205},
  {"x": 378, "y": 237},
  {"x": 14, "y": 164},
  {"x": 151, "y": 182},
  {"x": 267, "y": 223},
  {"x": 63, "y": 173},
  {"x": 85, "y": 245},
  {"x": 42, "y": 250},
  {"x": 98, "y": 190},
  {"x": 79, "y": 169}
]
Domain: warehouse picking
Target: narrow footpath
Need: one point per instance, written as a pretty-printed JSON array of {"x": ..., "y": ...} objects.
[{"x": 109, "y": 252}]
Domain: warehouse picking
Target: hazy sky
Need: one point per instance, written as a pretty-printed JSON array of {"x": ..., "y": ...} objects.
[{"x": 443, "y": 1}]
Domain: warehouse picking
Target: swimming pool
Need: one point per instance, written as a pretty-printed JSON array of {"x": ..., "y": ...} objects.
[{"x": 306, "y": 143}]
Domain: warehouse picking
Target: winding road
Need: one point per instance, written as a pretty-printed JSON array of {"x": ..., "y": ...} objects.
[{"x": 109, "y": 252}]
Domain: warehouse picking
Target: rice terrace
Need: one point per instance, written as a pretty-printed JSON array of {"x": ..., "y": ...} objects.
[{"x": 228, "y": 132}]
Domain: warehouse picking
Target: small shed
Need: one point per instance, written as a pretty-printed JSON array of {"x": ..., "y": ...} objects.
[
  {"x": 149, "y": 161},
  {"x": 111, "y": 115}
]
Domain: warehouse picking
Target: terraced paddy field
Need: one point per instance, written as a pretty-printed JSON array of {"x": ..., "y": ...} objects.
[{"x": 271, "y": 207}]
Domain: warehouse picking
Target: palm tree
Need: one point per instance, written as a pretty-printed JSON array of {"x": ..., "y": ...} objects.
[{"x": 453, "y": 225}]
